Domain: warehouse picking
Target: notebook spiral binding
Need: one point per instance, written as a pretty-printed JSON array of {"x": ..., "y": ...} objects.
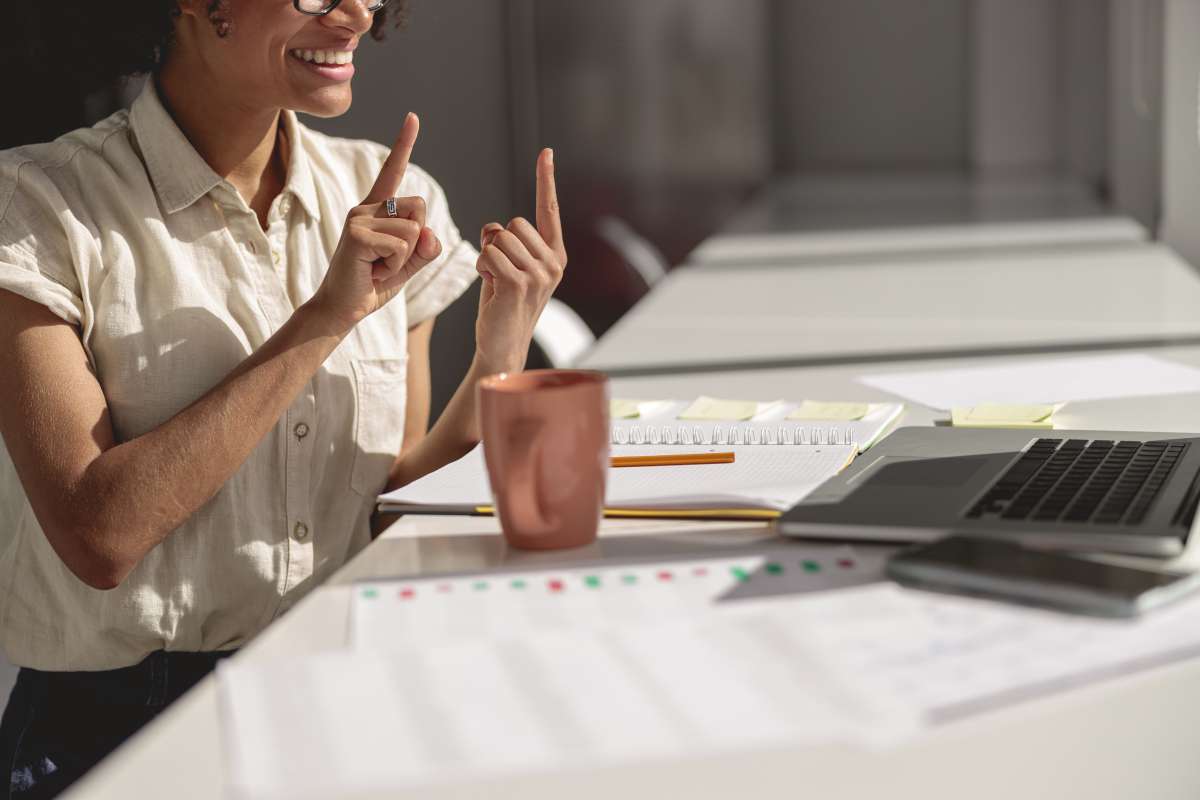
[{"x": 733, "y": 435}]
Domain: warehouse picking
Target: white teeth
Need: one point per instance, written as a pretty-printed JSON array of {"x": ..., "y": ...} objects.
[{"x": 325, "y": 56}]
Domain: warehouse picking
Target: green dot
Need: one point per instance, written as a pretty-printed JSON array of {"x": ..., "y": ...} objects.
[
  {"x": 592, "y": 581},
  {"x": 370, "y": 594},
  {"x": 741, "y": 574},
  {"x": 811, "y": 566},
  {"x": 629, "y": 580},
  {"x": 774, "y": 569},
  {"x": 481, "y": 586},
  {"x": 518, "y": 584}
]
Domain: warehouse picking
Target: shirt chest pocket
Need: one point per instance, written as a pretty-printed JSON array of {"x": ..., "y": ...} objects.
[{"x": 380, "y": 400}]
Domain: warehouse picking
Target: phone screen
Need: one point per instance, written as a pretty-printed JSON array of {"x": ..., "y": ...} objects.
[{"x": 990, "y": 557}]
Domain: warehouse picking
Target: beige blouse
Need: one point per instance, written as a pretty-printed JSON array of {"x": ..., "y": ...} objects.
[{"x": 124, "y": 231}]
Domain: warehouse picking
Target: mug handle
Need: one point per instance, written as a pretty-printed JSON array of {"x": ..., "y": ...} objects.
[{"x": 524, "y": 447}]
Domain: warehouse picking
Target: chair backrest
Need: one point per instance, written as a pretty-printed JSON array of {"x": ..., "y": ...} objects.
[
  {"x": 640, "y": 256},
  {"x": 562, "y": 334}
]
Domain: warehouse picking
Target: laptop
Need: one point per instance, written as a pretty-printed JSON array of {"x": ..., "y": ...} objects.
[{"x": 1107, "y": 491}]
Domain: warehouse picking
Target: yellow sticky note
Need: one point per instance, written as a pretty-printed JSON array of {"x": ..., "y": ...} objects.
[
  {"x": 995, "y": 415},
  {"x": 714, "y": 409},
  {"x": 817, "y": 409},
  {"x": 623, "y": 409}
]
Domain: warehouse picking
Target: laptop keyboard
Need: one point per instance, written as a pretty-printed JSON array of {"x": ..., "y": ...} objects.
[{"x": 1078, "y": 481}]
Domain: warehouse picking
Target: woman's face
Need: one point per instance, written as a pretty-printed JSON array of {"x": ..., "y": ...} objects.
[{"x": 275, "y": 57}]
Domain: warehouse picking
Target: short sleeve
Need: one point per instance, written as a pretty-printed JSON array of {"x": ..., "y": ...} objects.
[
  {"x": 444, "y": 281},
  {"x": 35, "y": 256}
]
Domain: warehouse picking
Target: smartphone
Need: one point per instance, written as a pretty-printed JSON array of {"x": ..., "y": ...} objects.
[{"x": 995, "y": 568}]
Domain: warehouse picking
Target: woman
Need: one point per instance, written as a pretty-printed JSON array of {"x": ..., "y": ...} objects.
[{"x": 214, "y": 336}]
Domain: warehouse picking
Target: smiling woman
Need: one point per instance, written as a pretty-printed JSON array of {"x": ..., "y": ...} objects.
[{"x": 214, "y": 332}]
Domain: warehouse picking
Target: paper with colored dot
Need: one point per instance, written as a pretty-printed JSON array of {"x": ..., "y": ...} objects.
[
  {"x": 823, "y": 410},
  {"x": 997, "y": 415},
  {"x": 389, "y": 614},
  {"x": 713, "y": 408}
]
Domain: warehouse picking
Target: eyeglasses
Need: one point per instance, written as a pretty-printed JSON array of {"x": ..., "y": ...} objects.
[{"x": 319, "y": 8}]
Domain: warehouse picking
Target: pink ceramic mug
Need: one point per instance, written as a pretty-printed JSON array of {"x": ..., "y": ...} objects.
[{"x": 545, "y": 440}]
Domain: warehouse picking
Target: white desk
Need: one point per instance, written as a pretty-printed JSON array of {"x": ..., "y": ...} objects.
[
  {"x": 872, "y": 310},
  {"x": 1130, "y": 737},
  {"x": 1135, "y": 736},
  {"x": 809, "y": 217},
  {"x": 735, "y": 249}
]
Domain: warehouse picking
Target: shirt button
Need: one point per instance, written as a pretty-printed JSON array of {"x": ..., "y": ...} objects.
[
  {"x": 276, "y": 257},
  {"x": 300, "y": 531},
  {"x": 301, "y": 430}
]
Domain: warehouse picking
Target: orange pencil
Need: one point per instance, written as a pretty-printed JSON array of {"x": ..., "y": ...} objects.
[{"x": 672, "y": 460}]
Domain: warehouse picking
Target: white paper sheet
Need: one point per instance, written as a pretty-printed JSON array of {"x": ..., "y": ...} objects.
[
  {"x": 1057, "y": 380},
  {"x": 945, "y": 657},
  {"x": 377, "y": 723},
  {"x": 445, "y": 696}
]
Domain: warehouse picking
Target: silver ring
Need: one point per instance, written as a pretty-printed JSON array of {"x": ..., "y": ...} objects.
[{"x": 390, "y": 205}]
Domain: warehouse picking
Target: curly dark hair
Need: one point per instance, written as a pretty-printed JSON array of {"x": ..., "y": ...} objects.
[{"x": 95, "y": 45}]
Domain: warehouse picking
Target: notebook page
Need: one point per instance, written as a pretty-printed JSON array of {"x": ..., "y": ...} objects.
[{"x": 760, "y": 477}]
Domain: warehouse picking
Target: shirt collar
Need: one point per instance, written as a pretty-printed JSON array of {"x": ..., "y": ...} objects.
[
  {"x": 181, "y": 177},
  {"x": 299, "y": 172}
]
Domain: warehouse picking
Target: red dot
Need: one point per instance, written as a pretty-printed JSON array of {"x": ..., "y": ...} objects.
[
  {"x": 445, "y": 588},
  {"x": 700, "y": 572},
  {"x": 845, "y": 563},
  {"x": 556, "y": 585},
  {"x": 407, "y": 594},
  {"x": 664, "y": 575}
]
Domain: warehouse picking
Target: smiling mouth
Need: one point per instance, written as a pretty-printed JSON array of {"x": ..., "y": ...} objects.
[{"x": 327, "y": 58}]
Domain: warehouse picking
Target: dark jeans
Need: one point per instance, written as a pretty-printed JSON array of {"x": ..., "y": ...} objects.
[{"x": 58, "y": 725}]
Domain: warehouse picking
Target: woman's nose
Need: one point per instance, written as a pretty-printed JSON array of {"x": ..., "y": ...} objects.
[{"x": 352, "y": 15}]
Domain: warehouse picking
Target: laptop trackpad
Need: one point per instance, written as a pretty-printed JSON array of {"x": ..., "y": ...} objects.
[{"x": 929, "y": 473}]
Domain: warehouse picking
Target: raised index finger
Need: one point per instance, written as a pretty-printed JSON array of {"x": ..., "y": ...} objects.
[
  {"x": 393, "y": 169},
  {"x": 548, "y": 222}
]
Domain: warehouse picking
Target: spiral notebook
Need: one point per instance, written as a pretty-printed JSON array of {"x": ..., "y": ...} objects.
[
  {"x": 768, "y": 423},
  {"x": 780, "y": 458}
]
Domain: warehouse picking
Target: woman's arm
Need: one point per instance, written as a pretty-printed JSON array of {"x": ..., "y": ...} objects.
[
  {"x": 520, "y": 265},
  {"x": 102, "y": 504}
]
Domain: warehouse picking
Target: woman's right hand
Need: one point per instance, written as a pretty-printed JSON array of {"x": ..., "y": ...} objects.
[{"x": 378, "y": 254}]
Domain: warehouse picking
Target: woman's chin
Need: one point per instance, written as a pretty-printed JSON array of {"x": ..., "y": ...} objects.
[{"x": 331, "y": 102}]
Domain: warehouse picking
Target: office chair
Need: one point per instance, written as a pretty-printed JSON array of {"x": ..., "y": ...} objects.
[
  {"x": 561, "y": 334},
  {"x": 642, "y": 259}
]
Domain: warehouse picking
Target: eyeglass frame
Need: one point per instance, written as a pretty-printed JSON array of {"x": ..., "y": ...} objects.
[{"x": 377, "y": 4}]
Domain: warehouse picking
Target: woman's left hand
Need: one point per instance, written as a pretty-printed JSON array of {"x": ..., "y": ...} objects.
[{"x": 521, "y": 265}]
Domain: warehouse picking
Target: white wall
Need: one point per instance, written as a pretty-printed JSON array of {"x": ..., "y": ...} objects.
[
  {"x": 871, "y": 83},
  {"x": 1181, "y": 148},
  {"x": 1014, "y": 97},
  {"x": 1136, "y": 45}
]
